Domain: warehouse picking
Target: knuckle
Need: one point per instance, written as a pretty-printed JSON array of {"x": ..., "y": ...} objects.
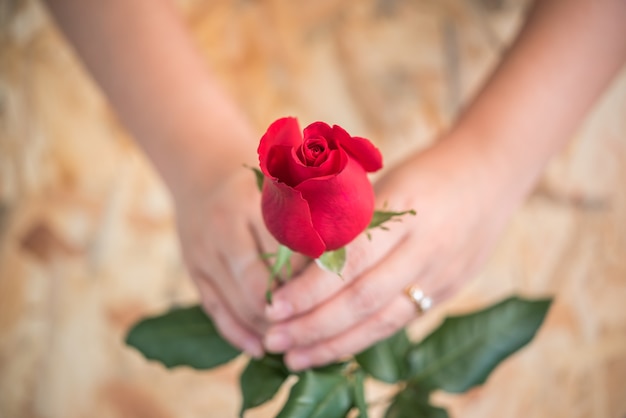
[
  {"x": 256, "y": 320},
  {"x": 313, "y": 335},
  {"x": 200, "y": 264},
  {"x": 211, "y": 307},
  {"x": 301, "y": 294},
  {"x": 328, "y": 352},
  {"x": 363, "y": 300},
  {"x": 215, "y": 311},
  {"x": 313, "y": 330},
  {"x": 310, "y": 290},
  {"x": 358, "y": 258},
  {"x": 253, "y": 313},
  {"x": 386, "y": 324}
]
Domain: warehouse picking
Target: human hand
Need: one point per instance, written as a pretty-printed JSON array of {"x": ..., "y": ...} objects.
[
  {"x": 222, "y": 236},
  {"x": 318, "y": 318}
]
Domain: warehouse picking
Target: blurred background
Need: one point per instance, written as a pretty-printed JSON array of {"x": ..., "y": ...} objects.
[{"x": 87, "y": 243}]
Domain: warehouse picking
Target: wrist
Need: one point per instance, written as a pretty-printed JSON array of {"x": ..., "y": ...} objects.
[
  {"x": 195, "y": 156},
  {"x": 495, "y": 173},
  {"x": 510, "y": 162}
]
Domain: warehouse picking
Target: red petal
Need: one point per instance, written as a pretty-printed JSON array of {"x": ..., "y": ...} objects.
[
  {"x": 361, "y": 149},
  {"x": 319, "y": 129},
  {"x": 284, "y": 131},
  {"x": 284, "y": 165},
  {"x": 341, "y": 206},
  {"x": 288, "y": 218},
  {"x": 313, "y": 151}
]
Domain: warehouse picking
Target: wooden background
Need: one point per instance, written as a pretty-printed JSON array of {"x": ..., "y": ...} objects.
[{"x": 87, "y": 244}]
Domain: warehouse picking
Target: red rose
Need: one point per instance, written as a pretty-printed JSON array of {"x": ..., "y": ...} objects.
[{"x": 316, "y": 196}]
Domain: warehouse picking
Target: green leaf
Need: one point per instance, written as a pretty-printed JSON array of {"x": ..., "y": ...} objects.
[
  {"x": 259, "y": 176},
  {"x": 464, "y": 350},
  {"x": 333, "y": 368},
  {"x": 386, "y": 360},
  {"x": 381, "y": 216},
  {"x": 413, "y": 403},
  {"x": 282, "y": 261},
  {"x": 318, "y": 395},
  {"x": 261, "y": 379},
  {"x": 333, "y": 261},
  {"x": 358, "y": 389},
  {"x": 181, "y": 337}
]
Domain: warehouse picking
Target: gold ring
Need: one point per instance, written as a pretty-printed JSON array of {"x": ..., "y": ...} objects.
[{"x": 422, "y": 302}]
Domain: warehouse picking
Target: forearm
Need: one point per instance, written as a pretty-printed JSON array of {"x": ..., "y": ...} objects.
[
  {"x": 140, "y": 54},
  {"x": 564, "y": 57}
]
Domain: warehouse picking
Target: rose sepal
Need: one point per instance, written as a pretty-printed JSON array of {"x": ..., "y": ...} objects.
[{"x": 332, "y": 261}]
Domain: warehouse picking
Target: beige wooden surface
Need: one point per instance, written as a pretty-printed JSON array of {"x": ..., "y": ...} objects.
[{"x": 87, "y": 244}]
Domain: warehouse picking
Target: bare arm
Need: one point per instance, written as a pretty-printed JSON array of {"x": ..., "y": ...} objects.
[
  {"x": 564, "y": 58},
  {"x": 140, "y": 54}
]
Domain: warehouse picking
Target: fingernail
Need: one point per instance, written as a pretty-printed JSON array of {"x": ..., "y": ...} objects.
[
  {"x": 277, "y": 341},
  {"x": 278, "y": 310},
  {"x": 298, "y": 361},
  {"x": 253, "y": 348}
]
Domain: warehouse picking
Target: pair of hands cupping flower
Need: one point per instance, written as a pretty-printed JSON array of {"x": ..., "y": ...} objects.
[
  {"x": 463, "y": 189},
  {"x": 317, "y": 198}
]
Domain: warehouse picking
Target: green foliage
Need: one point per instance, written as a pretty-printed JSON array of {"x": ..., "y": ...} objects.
[
  {"x": 333, "y": 261},
  {"x": 318, "y": 394},
  {"x": 386, "y": 360},
  {"x": 465, "y": 349},
  {"x": 381, "y": 216},
  {"x": 455, "y": 357},
  {"x": 261, "y": 380},
  {"x": 259, "y": 177},
  {"x": 358, "y": 388},
  {"x": 281, "y": 263},
  {"x": 411, "y": 402},
  {"x": 182, "y": 337}
]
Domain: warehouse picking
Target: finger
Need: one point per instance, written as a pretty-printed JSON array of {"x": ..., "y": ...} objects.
[
  {"x": 230, "y": 328},
  {"x": 384, "y": 323},
  {"x": 315, "y": 285},
  {"x": 243, "y": 274},
  {"x": 365, "y": 296},
  {"x": 246, "y": 293},
  {"x": 448, "y": 280},
  {"x": 439, "y": 284},
  {"x": 266, "y": 243},
  {"x": 251, "y": 287},
  {"x": 381, "y": 325}
]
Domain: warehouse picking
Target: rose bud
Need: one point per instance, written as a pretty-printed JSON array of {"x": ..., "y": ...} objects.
[{"x": 316, "y": 195}]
